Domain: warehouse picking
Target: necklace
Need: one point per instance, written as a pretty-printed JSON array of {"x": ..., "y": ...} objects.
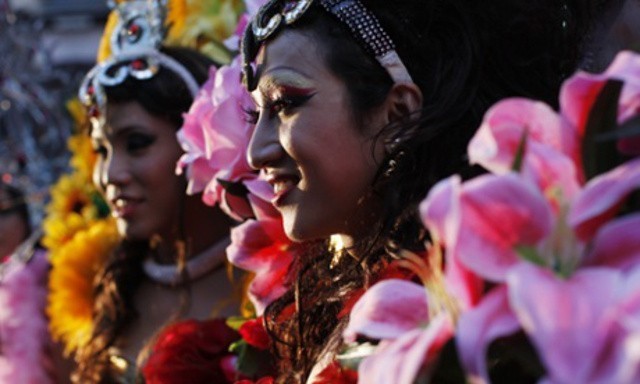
[{"x": 196, "y": 267}]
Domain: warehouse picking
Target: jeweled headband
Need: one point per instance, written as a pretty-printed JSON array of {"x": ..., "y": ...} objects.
[
  {"x": 362, "y": 23},
  {"x": 135, "y": 44}
]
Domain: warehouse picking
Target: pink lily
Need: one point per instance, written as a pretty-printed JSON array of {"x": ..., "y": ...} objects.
[
  {"x": 579, "y": 93},
  {"x": 504, "y": 236},
  {"x": 551, "y": 144},
  {"x": 397, "y": 312},
  {"x": 261, "y": 247}
]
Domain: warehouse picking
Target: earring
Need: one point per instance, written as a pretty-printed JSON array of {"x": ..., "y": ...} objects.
[{"x": 392, "y": 165}]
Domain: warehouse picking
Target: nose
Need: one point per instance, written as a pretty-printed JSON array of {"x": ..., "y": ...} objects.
[
  {"x": 264, "y": 147},
  {"x": 115, "y": 171}
]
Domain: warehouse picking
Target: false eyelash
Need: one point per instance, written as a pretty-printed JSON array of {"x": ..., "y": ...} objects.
[{"x": 251, "y": 115}]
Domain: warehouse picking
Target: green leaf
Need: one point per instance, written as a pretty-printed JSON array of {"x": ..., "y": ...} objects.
[
  {"x": 353, "y": 354},
  {"x": 235, "y": 322},
  {"x": 101, "y": 205},
  {"x": 629, "y": 128},
  {"x": 598, "y": 156},
  {"x": 530, "y": 254},
  {"x": 252, "y": 362},
  {"x": 522, "y": 148}
]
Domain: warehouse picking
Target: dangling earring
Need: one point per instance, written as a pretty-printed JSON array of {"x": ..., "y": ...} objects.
[
  {"x": 393, "y": 162},
  {"x": 392, "y": 165}
]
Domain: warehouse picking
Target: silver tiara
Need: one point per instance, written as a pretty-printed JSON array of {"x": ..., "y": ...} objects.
[
  {"x": 362, "y": 23},
  {"x": 135, "y": 44}
]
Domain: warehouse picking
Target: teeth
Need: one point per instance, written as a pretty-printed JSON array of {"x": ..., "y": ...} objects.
[{"x": 282, "y": 186}]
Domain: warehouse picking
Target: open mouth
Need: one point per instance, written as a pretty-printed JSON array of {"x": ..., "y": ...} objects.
[{"x": 282, "y": 187}]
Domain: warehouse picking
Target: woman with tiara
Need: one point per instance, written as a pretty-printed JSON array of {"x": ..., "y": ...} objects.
[
  {"x": 362, "y": 106},
  {"x": 170, "y": 263}
]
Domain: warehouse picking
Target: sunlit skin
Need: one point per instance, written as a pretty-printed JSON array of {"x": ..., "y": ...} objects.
[
  {"x": 137, "y": 154},
  {"x": 307, "y": 143},
  {"x": 137, "y": 157}
]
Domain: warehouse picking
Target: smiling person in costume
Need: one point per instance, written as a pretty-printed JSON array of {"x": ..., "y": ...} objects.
[
  {"x": 170, "y": 262},
  {"x": 362, "y": 106}
]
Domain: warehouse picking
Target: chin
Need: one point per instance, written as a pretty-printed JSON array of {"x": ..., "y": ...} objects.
[
  {"x": 301, "y": 230},
  {"x": 128, "y": 231}
]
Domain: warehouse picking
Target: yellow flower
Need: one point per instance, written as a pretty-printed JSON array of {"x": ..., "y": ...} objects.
[
  {"x": 71, "y": 209},
  {"x": 104, "y": 49},
  {"x": 203, "y": 25},
  {"x": 74, "y": 268},
  {"x": 83, "y": 156}
]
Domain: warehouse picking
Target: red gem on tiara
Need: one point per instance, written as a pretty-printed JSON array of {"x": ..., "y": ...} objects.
[
  {"x": 90, "y": 90},
  {"x": 138, "y": 64},
  {"x": 134, "y": 29}
]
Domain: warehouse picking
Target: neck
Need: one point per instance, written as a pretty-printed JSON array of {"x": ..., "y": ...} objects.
[{"x": 203, "y": 227}]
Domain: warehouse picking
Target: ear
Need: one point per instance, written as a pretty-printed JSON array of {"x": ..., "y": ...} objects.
[{"x": 403, "y": 101}]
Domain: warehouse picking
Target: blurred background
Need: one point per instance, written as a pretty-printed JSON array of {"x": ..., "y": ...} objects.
[{"x": 45, "y": 48}]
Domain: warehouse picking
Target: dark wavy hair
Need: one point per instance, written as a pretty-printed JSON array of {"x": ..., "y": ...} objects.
[
  {"x": 165, "y": 95},
  {"x": 464, "y": 55}
]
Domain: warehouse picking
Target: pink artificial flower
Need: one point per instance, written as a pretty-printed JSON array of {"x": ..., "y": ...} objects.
[
  {"x": 396, "y": 312},
  {"x": 552, "y": 150},
  {"x": 582, "y": 316},
  {"x": 580, "y": 92},
  {"x": 508, "y": 226},
  {"x": 387, "y": 310},
  {"x": 24, "y": 335},
  {"x": 492, "y": 318},
  {"x": 263, "y": 248},
  {"x": 440, "y": 213},
  {"x": 215, "y": 136},
  {"x": 499, "y": 214},
  {"x": 598, "y": 203}
]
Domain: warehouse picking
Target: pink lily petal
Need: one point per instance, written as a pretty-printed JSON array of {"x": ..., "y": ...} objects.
[
  {"x": 478, "y": 327},
  {"x": 579, "y": 93},
  {"x": 602, "y": 196},
  {"x": 552, "y": 172},
  {"x": 387, "y": 310},
  {"x": 617, "y": 244},
  {"x": 440, "y": 213},
  {"x": 262, "y": 247},
  {"x": 499, "y": 213},
  {"x": 577, "y": 96},
  {"x": 496, "y": 143},
  {"x": 620, "y": 363},
  {"x": 574, "y": 311},
  {"x": 399, "y": 361}
]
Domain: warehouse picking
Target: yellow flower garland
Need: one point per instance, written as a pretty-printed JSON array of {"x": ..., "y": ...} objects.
[
  {"x": 74, "y": 268},
  {"x": 79, "y": 237}
]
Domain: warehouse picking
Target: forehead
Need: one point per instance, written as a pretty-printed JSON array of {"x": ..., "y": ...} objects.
[
  {"x": 120, "y": 116},
  {"x": 294, "y": 50}
]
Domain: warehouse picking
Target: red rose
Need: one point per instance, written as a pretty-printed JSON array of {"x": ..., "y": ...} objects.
[
  {"x": 191, "y": 352},
  {"x": 334, "y": 373},
  {"x": 255, "y": 334}
]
